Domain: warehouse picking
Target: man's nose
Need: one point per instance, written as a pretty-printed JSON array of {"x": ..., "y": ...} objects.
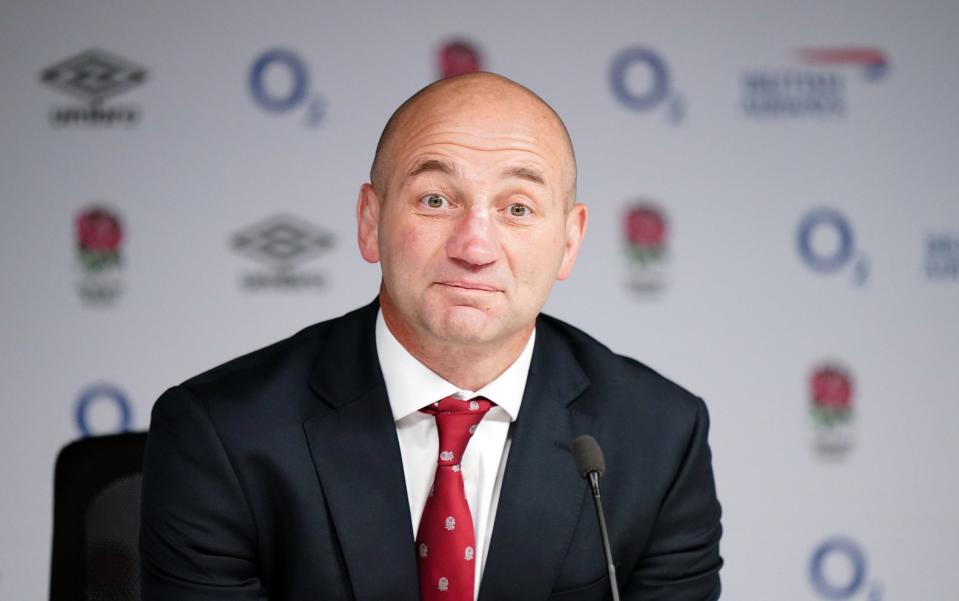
[{"x": 474, "y": 240}]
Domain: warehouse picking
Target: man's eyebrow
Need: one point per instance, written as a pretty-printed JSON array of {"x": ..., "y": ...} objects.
[
  {"x": 526, "y": 173},
  {"x": 446, "y": 167},
  {"x": 431, "y": 165}
]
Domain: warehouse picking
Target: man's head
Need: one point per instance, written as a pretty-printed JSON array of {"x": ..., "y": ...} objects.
[
  {"x": 479, "y": 87},
  {"x": 471, "y": 211}
]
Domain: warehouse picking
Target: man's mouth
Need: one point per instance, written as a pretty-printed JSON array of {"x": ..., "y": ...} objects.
[{"x": 471, "y": 286}]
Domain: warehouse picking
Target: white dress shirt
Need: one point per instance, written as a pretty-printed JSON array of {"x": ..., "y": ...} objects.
[{"x": 411, "y": 386}]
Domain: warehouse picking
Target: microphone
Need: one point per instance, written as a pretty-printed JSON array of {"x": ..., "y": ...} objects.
[{"x": 591, "y": 465}]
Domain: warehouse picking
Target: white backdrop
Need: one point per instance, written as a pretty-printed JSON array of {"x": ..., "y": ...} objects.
[{"x": 721, "y": 123}]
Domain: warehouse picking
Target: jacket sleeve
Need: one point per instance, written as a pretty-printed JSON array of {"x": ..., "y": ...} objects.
[
  {"x": 197, "y": 534},
  {"x": 682, "y": 561}
]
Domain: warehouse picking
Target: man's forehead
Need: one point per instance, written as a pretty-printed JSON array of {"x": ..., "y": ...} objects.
[
  {"x": 422, "y": 165},
  {"x": 485, "y": 104}
]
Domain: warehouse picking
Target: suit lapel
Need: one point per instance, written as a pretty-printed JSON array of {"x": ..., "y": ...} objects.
[
  {"x": 352, "y": 439},
  {"x": 541, "y": 495}
]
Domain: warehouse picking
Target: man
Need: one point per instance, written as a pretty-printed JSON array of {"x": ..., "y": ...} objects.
[{"x": 319, "y": 467}]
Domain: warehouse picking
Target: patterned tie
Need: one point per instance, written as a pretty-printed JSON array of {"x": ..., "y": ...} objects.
[{"x": 446, "y": 541}]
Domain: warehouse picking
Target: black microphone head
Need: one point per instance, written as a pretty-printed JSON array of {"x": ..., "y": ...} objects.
[{"x": 588, "y": 455}]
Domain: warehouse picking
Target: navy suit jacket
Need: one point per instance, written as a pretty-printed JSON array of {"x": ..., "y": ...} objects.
[{"x": 278, "y": 476}]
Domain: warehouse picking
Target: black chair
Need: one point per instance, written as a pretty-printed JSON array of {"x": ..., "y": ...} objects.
[{"x": 96, "y": 519}]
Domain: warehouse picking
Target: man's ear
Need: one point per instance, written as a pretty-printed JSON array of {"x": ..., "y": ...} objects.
[
  {"x": 368, "y": 223},
  {"x": 575, "y": 231}
]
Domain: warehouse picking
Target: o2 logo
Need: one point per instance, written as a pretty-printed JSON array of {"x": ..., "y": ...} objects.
[
  {"x": 280, "y": 82},
  {"x": 837, "y": 571},
  {"x": 96, "y": 400},
  {"x": 827, "y": 245},
  {"x": 641, "y": 82}
]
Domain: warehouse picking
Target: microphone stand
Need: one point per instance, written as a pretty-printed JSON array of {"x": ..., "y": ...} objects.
[{"x": 594, "y": 487}]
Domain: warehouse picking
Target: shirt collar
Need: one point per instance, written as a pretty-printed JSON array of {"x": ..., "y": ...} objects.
[{"x": 410, "y": 385}]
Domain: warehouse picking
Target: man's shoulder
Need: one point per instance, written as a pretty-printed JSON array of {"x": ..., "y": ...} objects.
[
  {"x": 616, "y": 377},
  {"x": 287, "y": 360}
]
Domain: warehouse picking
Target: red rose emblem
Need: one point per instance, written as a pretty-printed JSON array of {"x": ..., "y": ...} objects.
[
  {"x": 645, "y": 227},
  {"x": 457, "y": 58},
  {"x": 831, "y": 388},
  {"x": 98, "y": 231}
]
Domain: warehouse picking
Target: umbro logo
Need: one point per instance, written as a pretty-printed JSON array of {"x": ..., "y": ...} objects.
[
  {"x": 282, "y": 243},
  {"x": 92, "y": 77}
]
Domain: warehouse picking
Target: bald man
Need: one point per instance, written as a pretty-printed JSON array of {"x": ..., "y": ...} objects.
[{"x": 418, "y": 448}]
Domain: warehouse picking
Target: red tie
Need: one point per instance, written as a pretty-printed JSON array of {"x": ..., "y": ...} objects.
[{"x": 446, "y": 541}]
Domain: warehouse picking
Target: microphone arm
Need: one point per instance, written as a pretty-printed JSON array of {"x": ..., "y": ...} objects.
[
  {"x": 610, "y": 565},
  {"x": 591, "y": 465}
]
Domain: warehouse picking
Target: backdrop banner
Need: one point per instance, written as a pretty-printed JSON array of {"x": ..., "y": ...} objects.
[{"x": 774, "y": 224}]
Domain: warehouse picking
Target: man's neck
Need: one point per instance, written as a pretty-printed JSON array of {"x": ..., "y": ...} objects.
[{"x": 468, "y": 367}]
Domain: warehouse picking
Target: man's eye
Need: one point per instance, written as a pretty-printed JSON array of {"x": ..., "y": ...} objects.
[
  {"x": 518, "y": 210},
  {"x": 434, "y": 201}
]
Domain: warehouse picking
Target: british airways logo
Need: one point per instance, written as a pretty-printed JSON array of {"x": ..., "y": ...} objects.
[
  {"x": 872, "y": 61},
  {"x": 815, "y": 87}
]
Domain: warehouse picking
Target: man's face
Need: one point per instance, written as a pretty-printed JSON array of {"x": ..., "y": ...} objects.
[{"x": 474, "y": 227}]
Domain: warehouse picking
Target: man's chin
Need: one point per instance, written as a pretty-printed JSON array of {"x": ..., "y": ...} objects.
[{"x": 465, "y": 324}]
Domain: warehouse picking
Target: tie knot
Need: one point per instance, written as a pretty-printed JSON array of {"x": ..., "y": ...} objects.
[
  {"x": 452, "y": 405},
  {"x": 456, "y": 421}
]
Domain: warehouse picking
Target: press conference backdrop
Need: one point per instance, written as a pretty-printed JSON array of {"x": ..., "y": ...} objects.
[{"x": 774, "y": 223}]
